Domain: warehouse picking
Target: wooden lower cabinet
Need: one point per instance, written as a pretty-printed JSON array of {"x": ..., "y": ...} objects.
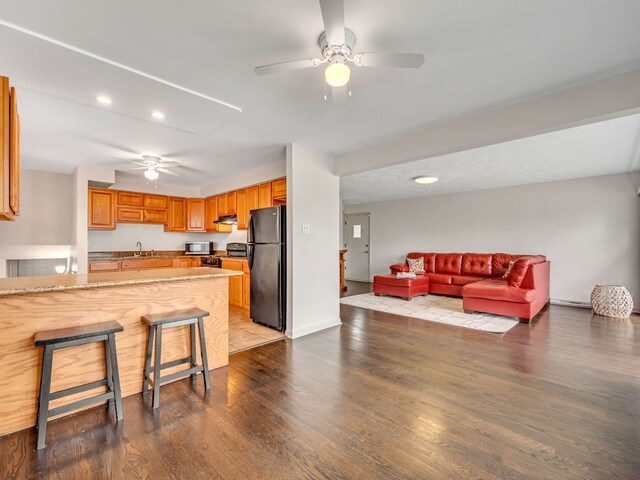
[
  {"x": 240, "y": 286},
  {"x": 104, "y": 266},
  {"x": 146, "y": 263},
  {"x": 187, "y": 262}
]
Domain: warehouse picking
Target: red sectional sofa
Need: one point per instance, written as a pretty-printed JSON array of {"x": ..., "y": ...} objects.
[{"x": 477, "y": 278}]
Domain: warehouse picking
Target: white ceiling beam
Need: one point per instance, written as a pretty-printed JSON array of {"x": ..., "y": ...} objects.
[{"x": 601, "y": 100}]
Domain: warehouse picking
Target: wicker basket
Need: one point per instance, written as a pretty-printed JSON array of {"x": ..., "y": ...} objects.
[{"x": 611, "y": 301}]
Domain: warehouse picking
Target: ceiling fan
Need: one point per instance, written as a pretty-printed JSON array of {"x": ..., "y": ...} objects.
[
  {"x": 153, "y": 166},
  {"x": 336, "y": 47}
]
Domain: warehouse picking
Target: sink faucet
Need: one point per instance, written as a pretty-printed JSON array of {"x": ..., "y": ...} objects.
[{"x": 139, "y": 246}]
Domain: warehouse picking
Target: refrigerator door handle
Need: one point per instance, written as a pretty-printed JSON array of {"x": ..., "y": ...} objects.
[
  {"x": 250, "y": 255},
  {"x": 250, "y": 229}
]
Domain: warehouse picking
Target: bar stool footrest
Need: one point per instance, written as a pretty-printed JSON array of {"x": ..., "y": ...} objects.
[
  {"x": 78, "y": 389},
  {"x": 183, "y": 373},
  {"x": 81, "y": 403}
]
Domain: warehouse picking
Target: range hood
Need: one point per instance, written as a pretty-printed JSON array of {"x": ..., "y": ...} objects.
[{"x": 227, "y": 219}]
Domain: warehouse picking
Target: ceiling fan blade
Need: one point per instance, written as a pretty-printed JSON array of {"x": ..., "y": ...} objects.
[
  {"x": 287, "y": 66},
  {"x": 168, "y": 164},
  {"x": 398, "y": 60},
  {"x": 333, "y": 18},
  {"x": 137, "y": 162},
  {"x": 136, "y": 168},
  {"x": 169, "y": 172}
]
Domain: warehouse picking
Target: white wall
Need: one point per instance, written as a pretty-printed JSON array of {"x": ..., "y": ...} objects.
[
  {"x": 153, "y": 237},
  {"x": 83, "y": 176},
  {"x": 45, "y": 204},
  {"x": 588, "y": 228},
  {"x": 313, "y": 198}
]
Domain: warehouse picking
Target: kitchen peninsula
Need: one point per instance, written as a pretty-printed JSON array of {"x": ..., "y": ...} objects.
[{"x": 32, "y": 304}]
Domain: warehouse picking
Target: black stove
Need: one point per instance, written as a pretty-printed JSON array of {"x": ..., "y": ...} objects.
[{"x": 214, "y": 262}]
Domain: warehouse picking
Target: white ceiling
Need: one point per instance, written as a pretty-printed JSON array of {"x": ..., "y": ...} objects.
[
  {"x": 600, "y": 148},
  {"x": 480, "y": 54}
]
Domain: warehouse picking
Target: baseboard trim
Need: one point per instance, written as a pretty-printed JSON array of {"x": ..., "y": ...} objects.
[
  {"x": 576, "y": 303},
  {"x": 297, "y": 333}
]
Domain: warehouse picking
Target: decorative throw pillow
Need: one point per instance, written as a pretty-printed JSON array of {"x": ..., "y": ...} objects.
[
  {"x": 518, "y": 272},
  {"x": 507, "y": 272},
  {"x": 416, "y": 265}
]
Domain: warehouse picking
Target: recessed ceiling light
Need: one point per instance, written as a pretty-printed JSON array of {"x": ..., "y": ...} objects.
[
  {"x": 103, "y": 99},
  {"x": 425, "y": 180},
  {"x": 158, "y": 115}
]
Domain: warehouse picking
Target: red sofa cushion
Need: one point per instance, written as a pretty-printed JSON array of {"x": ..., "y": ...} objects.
[
  {"x": 429, "y": 260},
  {"x": 439, "y": 278},
  {"x": 500, "y": 263},
  {"x": 498, "y": 289},
  {"x": 476, "y": 264},
  {"x": 518, "y": 271},
  {"x": 448, "y": 263},
  {"x": 465, "y": 279}
]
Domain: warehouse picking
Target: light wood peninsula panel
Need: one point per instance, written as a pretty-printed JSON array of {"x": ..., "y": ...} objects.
[{"x": 23, "y": 314}]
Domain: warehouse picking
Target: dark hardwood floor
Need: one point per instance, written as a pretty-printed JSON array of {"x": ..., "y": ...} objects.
[{"x": 382, "y": 397}]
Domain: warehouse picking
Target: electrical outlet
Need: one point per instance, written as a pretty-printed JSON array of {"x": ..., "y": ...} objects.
[{"x": 306, "y": 228}]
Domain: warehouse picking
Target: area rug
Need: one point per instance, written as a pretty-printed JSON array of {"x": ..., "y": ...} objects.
[{"x": 434, "y": 309}]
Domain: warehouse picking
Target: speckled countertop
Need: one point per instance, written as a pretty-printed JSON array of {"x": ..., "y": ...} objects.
[
  {"x": 146, "y": 255},
  {"x": 56, "y": 283}
]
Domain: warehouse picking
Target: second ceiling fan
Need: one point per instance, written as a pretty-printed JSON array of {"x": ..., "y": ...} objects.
[{"x": 336, "y": 47}]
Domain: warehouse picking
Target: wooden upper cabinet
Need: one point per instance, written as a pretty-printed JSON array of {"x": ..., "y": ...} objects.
[
  {"x": 14, "y": 154},
  {"x": 9, "y": 152},
  {"x": 129, "y": 215},
  {"x": 265, "y": 199},
  {"x": 152, "y": 215},
  {"x": 241, "y": 207},
  {"x": 196, "y": 215},
  {"x": 211, "y": 215},
  {"x": 231, "y": 203},
  {"x": 250, "y": 202},
  {"x": 279, "y": 189},
  {"x": 156, "y": 201},
  {"x": 177, "y": 215},
  {"x": 222, "y": 205},
  {"x": 130, "y": 199},
  {"x": 102, "y": 209}
]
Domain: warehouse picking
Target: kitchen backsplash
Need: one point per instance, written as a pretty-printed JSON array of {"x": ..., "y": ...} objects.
[{"x": 153, "y": 237}]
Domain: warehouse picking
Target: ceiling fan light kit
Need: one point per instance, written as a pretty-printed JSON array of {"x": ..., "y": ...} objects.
[
  {"x": 151, "y": 174},
  {"x": 337, "y": 74},
  {"x": 336, "y": 46}
]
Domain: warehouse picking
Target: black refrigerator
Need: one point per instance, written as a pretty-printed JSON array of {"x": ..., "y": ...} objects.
[{"x": 267, "y": 254}]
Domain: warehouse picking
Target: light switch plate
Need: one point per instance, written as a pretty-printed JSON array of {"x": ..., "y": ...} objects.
[{"x": 306, "y": 228}]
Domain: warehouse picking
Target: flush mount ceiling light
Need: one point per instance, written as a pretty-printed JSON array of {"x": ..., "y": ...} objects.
[
  {"x": 158, "y": 115},
  {"x": 151, "y": 174},
  {"x": 103, "y": 99},
  {"x": 424, "y": 180},
  {"x": 337, "y": 74}
]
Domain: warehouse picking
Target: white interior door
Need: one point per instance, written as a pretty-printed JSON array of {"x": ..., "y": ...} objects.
[{"x": 356, "y": 241}]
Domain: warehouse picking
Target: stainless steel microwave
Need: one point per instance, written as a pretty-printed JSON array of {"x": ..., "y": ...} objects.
[{"x": 199, "y": 248}]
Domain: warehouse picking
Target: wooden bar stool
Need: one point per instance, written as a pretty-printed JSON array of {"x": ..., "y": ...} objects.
[
  {"x": 161, "y": 321},
  {"x": 70, "y": 337}
]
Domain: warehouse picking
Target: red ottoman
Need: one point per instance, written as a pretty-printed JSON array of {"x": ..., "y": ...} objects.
[{"x": 406, "y": 288}]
